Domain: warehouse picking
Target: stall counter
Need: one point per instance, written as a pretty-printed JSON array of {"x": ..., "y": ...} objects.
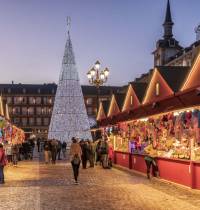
[{"x": 184, "y": 172}]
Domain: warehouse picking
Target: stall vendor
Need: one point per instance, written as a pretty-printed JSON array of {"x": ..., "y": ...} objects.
[{"x": 150, "y": 161}]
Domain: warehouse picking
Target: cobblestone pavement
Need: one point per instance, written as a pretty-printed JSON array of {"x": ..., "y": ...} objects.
[{"x": 36, "y": 186}]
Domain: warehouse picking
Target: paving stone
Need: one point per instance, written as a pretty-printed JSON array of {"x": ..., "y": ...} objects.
[{"x": 32, "y": 185}]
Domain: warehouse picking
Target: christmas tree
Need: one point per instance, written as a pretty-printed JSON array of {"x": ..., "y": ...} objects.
[{"x": 69, "y": 118}]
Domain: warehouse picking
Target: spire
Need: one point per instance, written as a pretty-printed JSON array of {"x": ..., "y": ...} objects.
[
  {"x": 168, "y": 23},
  {"x": 168, "y": 17}
]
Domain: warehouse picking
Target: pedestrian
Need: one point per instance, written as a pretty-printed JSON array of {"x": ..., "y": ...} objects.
[
  {"x": 91, "y": 149},
  {"x": 38, "y": 144},
  {"x": 32, "y": 147},
  {"x": 42, "y": 144},
  {"x": 50, "y": 149},
  {"x": 46, "y": 152},
  {"x": 75, "y": 158},
  {"x": 15, "y": 154},
  {"x": 8, "y": 151},
  {"x": 104, "y": 153},
  {"x": 98, "y": 152},
  {"x": 110, "y": 154},
  {"x": 84, "y": 153},
  {"x": 54, "y": 145},
  {"x": 59, "y": 148},
  {"x": 150, "y": 160},
  {"x": 64, "y": 148},
  {"x": 2, "y": 164}
]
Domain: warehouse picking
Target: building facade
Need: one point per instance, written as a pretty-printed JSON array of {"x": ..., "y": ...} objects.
[
  {"x": 30, "y": 105},
  {"x": 169, "y": 52}
]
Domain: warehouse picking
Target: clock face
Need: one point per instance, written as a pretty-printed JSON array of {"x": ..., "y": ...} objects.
[{"x": 92, "y": 121}]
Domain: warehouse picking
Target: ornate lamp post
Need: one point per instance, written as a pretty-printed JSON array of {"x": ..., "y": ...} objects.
[{"x": 97, "y": 78}]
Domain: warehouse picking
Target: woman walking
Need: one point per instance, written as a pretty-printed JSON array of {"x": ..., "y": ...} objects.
[
  {"x": 46, "y": 152},
  {"x": 2, "y": 164},
  {"x": 75, "y": 157}
]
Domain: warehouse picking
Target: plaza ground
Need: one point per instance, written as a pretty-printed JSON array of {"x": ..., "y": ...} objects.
[{"x": 32, "y": 185}]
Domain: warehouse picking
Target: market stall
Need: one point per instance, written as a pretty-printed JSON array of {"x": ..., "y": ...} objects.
[
  {"x": 176, "y": 137},
  {"x": 10, "y": 133}
]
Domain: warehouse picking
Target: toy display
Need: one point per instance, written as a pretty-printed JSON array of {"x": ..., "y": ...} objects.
[{"x": 172, "y": 135}]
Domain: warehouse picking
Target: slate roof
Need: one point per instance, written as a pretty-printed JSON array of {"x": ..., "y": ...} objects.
[
  {"x": 120, "y": 97},
  {"x": 168, "y": 18},
  {"x": 140, "y": 89},
  {"x": 106, "y": 105},
  {"x": 174, "y": 75},
  {"x": 50, "y": 88},
  {"x": 29, "y": 88}
]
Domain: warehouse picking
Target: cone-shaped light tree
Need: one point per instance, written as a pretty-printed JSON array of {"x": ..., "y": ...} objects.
[{"x": 69, "y": 118}]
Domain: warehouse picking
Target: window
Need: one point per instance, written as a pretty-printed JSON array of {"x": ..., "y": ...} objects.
[
  {"x": 24, "y": 121},
  {"x": 49, "y": 111},
  {"x": 103, "y": 99},
  {"x": 24, "y": 110},
  {"x": 44, "y": 110},
  {"x": 90, "y": 110},
  {"x": 49, "y": 101},
  {"x": 16, "y": 110},
  {"x": 53, "y": 91},
  {"x": 16, "y": 120},
  {"x": 45, "y": 100},
  {"x": 24, "y": 90},
  {"x": 10, "y": 109},
  {"x": 39, "y": 90},
  {"x": 46, "y": 121},
  {"x": 131, "y": 100},
  {"x": 17, "y": 100},
  {"x": 9, "y": 90},
  {"x": 157, "y": 89},
  {"x": 38, "y": 100},
  {"x": 89, "y": 101},
  {"x": 9, "y": 100},
  {"x": 31, "y": 121},
  {"x": 38, "y": 121},
  {"x": 24, "y": 100},
  {"x": 30, "y": 110},
  {"x": 31, "y": 100},
  {"x": 38, "y": 110}
]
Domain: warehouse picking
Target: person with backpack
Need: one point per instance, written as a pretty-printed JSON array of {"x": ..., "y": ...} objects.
[
  {"x": 75, "y": 158},
  {"x": 2, "y": 164}
]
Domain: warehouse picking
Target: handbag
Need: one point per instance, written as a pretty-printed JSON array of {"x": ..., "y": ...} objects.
[{"x": 76, "y": 160}]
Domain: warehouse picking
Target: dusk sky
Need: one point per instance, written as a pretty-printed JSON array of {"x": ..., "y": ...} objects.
[{"x": 121, "y": 34}]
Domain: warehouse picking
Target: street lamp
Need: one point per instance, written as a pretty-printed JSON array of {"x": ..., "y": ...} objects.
[{"x": 97, "y": 78}]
